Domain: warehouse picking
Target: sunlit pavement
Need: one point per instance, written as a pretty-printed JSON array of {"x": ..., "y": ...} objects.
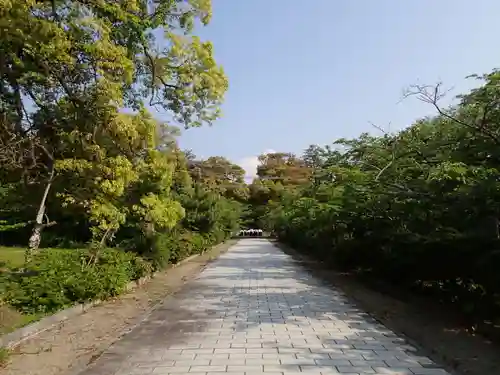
[{"x": 255, "y": 310}]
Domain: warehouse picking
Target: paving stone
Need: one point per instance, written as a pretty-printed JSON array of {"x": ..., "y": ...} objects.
[
  {"x": 392, "y": 371},
  {"x": 208, "y": 369},
  {"x": 170, "y": 370},
  {"x": 212, "y": 356},
  {"x": 256, "y": 311},
  {"x": 245, "y": 368},
  {"x": 322, "y": 369},
  {"x": 370, "y": 362},
  {"x": 356, "y": 369},
  {"x": 428, "y": 371},
  {"x": 281, "y": 368},
  {"x": 193, "y": 362}
]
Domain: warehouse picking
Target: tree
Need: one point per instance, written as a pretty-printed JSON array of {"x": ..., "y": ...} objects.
[
  {"x": 222, "y": 175},
  {"x": 67, "y": 71},
  {"x": 418, "y": 208},
  {"x": 285, "y": 168}
]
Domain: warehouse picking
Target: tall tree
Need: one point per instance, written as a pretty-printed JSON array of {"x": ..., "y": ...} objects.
[
  {"x": 284, "y": 168},
  {"x": 418, "y": 208},
  {"x": 68, "y": 68}
]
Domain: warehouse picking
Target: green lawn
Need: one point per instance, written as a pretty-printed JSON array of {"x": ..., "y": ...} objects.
[
  {"x": 12, "y": 256},
  {"x": 11, "y": 319},
  {"x": 4, "y": 356}
]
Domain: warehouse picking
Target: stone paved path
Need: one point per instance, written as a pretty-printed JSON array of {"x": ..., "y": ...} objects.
[{"x": 255, "y": 311}]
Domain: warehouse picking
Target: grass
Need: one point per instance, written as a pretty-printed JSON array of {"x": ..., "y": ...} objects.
[
  {"x": 11, "y": 256},
  {"x": 10, "y": 318},
  {"x": 4, "y": 356}
]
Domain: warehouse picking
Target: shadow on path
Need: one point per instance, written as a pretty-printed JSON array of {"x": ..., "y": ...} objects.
[{"x": 257, "y": 309}]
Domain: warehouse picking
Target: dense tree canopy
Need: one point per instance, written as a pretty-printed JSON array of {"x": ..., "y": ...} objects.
[
  {"x": 419, "y": 208},
  {"x": 85, "y": 163},
  {"x": 80, "y": 153}
]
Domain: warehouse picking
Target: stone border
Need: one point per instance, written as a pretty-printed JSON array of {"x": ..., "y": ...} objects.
[
  {"x": 13, "y": 339},
  {"x": 79, "y": 368}
]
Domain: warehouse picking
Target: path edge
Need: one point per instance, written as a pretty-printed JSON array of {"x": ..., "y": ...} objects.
[
  {"x": 13, "y": 339},
  {"x": 81, "y": 367},
  {"x": 422, "y": 350}
]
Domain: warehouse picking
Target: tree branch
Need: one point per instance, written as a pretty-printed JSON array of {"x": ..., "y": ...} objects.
[{"x": 432, "y": 95}]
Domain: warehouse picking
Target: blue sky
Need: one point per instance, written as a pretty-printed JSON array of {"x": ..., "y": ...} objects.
[{"x": 309, "y": 72}]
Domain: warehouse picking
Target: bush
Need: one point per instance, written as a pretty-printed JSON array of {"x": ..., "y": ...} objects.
[
  {"x": 199, "y": 243},
  {"x": 170, "y": 248},
  {"x": 458, "y": 270},
  {"x": 59, "y": 278},
  {"x": 140, "y": 267},
  {"x": 161, "y": 250},
  {"x": 174, "y": 246}
]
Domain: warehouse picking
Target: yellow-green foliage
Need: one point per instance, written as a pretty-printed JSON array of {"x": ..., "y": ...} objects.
[
  {"x": 78, "y": 81},
  {"x": 80, "y": 65}
]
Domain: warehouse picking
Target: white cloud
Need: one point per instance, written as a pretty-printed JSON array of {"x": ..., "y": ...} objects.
[{"x": 250, "y": 163}]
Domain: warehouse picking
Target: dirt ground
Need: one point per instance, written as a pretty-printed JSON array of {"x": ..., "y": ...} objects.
[
  {"x": 439, "y": 332},
  {"x": 78, "y": 341}
]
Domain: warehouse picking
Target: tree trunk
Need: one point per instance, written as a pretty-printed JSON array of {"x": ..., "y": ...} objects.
[
  {"x": 19, "y": 109},
  {"x": 36, "y": 234}
]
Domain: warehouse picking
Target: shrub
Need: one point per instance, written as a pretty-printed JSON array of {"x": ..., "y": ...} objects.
[
  {"x": 140, "y": 268},
  {"x": 199, "y": 243},
  {"x": 176, "y": 245},
  {"x": 170, "y": 248},
  {"x": 161, "y": 250},
  {"x": 183, "y": 247},
  {"x": 59, "y": 278}
]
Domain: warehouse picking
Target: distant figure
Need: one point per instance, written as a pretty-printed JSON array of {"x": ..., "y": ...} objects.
[{"x": 251, "y": 232}]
